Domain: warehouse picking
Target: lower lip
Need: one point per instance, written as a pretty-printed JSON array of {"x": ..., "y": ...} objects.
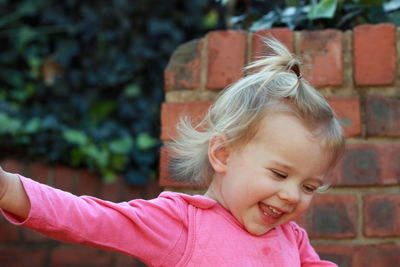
[{"x": 269, "y": 217}]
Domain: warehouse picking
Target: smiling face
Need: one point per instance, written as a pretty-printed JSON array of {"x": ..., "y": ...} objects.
[{"x": 270, "y": 180}]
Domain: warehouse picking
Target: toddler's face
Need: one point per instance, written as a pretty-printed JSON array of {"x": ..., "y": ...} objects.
[{"x": 272, "y": 179}]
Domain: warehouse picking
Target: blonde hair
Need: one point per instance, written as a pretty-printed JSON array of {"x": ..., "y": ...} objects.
[{"x": 274, "y": 85}]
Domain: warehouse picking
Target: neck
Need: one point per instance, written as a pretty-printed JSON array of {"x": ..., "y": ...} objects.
[{"x": 213, "y": 191}]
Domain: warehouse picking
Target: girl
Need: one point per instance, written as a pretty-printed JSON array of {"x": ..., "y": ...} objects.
[{"x": 265, "y": 148}]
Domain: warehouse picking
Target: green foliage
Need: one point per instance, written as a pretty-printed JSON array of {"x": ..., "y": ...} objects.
[
  {"x": 81, "y": 81},
  {"x": 324, "y": 9},
  {"x": 311, "y": 14}
]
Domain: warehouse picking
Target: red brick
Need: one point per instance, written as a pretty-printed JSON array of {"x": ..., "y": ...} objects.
[
  {"x": 322, "y": 54},
  {"x": 259, "y": 49},
  {"x": 226, "y": 57},
  {"x": 382, "y": 215},
  {"x": 383, "y": 255},
  {"x": 125, "y": 260},
  {"x": 380, "y": 255},
  {"x": 88, "y": 183},
  {"x": 153, "y": 189},
  {"x": 343, "y": 256},
  {"x": 79, "y": 256},
  {"x": 348, "y": 112},
  {"x": 172, "y": 112},
  {"x": 11, "y": 165},
  {"x": 383, "y": 116},
  {"x": 374, "y": 54},
  {"x": 165, "y": 179},
  {"x": 130, "y": 192},
  {"x": 8, "y": 231},
  {"x": 369, "y": 164},
  {"x": 33, "y": 236},
  {"x": 22, "y": 257},
  {"x": 64, "y": 178},
  {"x": 183, "y": 69},
  {"x": 111, "y": 191},
  {"x": 39, "y": 172},
  {"x": 331, "y": 216},
  {"x": 148, "y": 191}
]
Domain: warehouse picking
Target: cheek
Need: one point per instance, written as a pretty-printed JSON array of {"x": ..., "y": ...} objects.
[{"x": 305, "y": 203}]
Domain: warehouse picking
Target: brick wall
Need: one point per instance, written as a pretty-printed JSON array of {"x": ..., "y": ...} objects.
[
  {"x": 25, "y": 248},
  {"x": 357, "y": 223}
]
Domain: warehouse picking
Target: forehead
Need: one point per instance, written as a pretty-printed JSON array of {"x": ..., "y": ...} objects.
[
  {"x": 276, "y": 124},
  {"x": 286, "y": 139}
]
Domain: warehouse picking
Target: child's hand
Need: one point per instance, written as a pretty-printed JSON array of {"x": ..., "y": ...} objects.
[
  {"x": 3, "y": 183},
  {"x": 13, "y": 197}
]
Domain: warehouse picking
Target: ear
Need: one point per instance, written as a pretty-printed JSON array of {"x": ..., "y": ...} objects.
[{"x": 218, "y": 153}]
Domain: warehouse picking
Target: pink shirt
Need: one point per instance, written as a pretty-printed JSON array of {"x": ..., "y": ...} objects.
[{"x": 172, "y": 230}]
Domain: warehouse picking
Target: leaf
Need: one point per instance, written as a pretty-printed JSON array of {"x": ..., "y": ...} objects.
[
  {"x": 32, "y": 126},
  {"x": 395, "y": 18},
  {"x": 102, "y": 109},
  {"x": 25, "y": 35},
  {"x": 99, "y": 156},
  {"x": 349, "y": 16},
  {"x": 292, "y": 2},
  {"x": 131, "y": 90},
  {"x": 211, "y": 19},
  {"x": 122, "y": 145},
  {"x": 324, "y": 9},
  {"x": 35, "y": 63},
  {"x": 29, "y": 7},
  {"x": 108, "y": 176},
  {"x": 265, "y": 22},
  {"x": 222, "y": 2},
  {"x": 118, "y": 162},
  {"x": 77, "y": 157},
  {"x": 25, "y": 8},
  {"x": 370, "y": 2},
  {"x": 12, "y": 77},
  {"x": 22, "y": 94},
  {"x": 390, "y": 6},
  {"x": 9, "y": 125},
  {"x": 145, "y": 141},
  {"x": 75, "y": 137},
  {"x": 377, "y": 15}
]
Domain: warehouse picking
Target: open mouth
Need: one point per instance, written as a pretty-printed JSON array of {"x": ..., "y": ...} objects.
[
  {"x": 277, "y": 212},
  {"x": 270, "y": 211}
]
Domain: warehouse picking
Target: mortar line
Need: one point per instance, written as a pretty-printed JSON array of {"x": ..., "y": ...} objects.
[{"x": 204, "y": 63}]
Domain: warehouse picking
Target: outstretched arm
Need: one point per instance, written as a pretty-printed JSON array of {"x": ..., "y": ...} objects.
[
  {"x": 13, "y": 197},
  {"x": 145, "y": 229}
]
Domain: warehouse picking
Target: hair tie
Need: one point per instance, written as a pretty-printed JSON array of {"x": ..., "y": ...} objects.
[{"x": 295, "y": 68}]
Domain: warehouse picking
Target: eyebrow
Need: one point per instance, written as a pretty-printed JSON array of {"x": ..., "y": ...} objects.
[
  {"x": 319, "y": 181},
  {"x": 283, "y": 165}
]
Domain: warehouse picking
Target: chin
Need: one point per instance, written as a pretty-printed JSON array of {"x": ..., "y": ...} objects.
[{"x": 258, "y": 230}]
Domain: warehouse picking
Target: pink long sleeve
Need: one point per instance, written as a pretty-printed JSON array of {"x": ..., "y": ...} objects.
[
  {"x": 308, "y": 256},
  {"x": 146, "y": 229}
]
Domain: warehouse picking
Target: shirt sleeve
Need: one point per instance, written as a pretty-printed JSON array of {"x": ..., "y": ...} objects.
[
  {"x": 308, "y": 256},
  {"x": 145, "y": 229}
]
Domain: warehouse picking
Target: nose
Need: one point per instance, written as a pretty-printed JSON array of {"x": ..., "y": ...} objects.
[{"x": 290, "y": 193}]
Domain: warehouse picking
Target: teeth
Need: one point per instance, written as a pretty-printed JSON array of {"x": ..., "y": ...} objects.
[{"x": 274, "y": 210}]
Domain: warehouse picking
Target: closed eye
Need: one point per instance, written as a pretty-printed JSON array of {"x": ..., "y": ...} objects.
[
  {"x": 309, "y": 188},
  {"x": 279, "y": 174}
]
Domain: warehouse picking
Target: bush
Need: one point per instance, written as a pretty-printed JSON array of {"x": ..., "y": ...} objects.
[
  {"x": 81, "y": 81},
  {"x": 308, "y": 14}
]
